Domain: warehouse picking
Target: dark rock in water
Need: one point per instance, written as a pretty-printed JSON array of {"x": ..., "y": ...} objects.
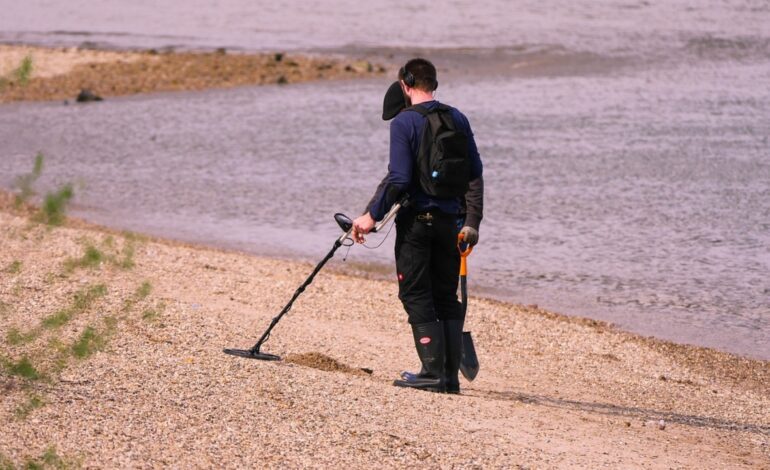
[
  {"x": 86, "y": 96},
  {"x": 88, "y": 46}
]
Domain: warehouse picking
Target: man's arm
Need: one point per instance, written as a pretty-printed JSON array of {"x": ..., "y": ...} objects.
[
  {"x": 474, "y": 197},
  {"x": 399, "y": 171},
  {"x": 377, "y": 194},
  {"x": 474, "y": 203}
]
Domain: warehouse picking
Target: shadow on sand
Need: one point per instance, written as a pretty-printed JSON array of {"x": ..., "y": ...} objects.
[{"x": 625, "y": 411}]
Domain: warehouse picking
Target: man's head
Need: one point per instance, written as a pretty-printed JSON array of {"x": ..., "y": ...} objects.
[{"x": 419, "y": 73}]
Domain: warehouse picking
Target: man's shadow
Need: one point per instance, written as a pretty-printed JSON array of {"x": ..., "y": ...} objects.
[{"x": 616, "y": 410}]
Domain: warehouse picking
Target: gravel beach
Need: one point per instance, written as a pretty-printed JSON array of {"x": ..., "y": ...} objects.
[{"x": 111, "y": 355}]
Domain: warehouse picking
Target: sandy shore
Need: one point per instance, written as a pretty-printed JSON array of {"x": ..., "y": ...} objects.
[
  {"x": 111, "y": 357},
  {"x": 60, "y": 73}
]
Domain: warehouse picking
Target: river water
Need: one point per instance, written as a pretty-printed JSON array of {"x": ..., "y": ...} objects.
[{"x": 625, "y": 144}]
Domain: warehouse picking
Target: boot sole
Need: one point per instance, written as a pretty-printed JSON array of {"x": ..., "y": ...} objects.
[{"x": 427, "y": 388}]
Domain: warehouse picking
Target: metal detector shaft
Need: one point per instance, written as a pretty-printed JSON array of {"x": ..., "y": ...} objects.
[
  {"x": 254, "y": 352},
  {"x": 338, "y": 243},
  {"x": 300, "y": 290}
]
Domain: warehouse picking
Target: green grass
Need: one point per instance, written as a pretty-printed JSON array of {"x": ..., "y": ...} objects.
[
  {"x": 25, "y": 183},
  {"x": 14, "y": 267},
  {"x": 109, "y": 242},
  {"x": 94, "y": 257},
  {"x": 127, "y": 262},
  {"x": 22, "y": 368},
  {"x": 143, "y": 291},
  {"x": 82, "y": 301},
  {"x": 134, "y": 237},
  {"x": 154, "y": 314},
  {"x": 90, "y": 259},
  {"x": 55, "y": 204},
  {"x": 60, "y": 318},
  {"x": 92, "y": 340},
  {"x": 33, "y": 402},
  {"x": 150, "y": 314},
  {"x": 89, "y": 342},
  {"x": 24, "y": 72},
  {"x": 15, "y": 337},
  {"x": 50, "y": 459}
]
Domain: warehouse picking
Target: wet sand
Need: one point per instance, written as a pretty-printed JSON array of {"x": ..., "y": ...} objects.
[
  {"x": 60, "y": 73},
  {"x": 127, "y": 346}
]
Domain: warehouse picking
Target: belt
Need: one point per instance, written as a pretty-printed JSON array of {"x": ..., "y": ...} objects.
[{"x": 430, "y": 214}]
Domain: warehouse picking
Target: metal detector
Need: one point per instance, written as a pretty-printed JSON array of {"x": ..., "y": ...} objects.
[{"x": 346, "y": 224}]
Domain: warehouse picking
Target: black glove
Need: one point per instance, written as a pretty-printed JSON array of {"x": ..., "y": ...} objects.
[{"x": 470, "y": 235}]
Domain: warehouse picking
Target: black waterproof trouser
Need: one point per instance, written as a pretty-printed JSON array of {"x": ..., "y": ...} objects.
[{"x": 428, "y": 265}]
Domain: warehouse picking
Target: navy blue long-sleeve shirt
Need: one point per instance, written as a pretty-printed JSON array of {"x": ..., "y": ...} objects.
[{"x": 405, "y": 137}]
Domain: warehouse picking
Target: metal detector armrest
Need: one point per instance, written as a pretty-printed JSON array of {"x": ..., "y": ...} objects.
[{"x": 403, "y": 202}]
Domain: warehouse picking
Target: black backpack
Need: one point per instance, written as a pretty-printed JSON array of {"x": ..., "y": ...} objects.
[{"x": 443, "y": 163}]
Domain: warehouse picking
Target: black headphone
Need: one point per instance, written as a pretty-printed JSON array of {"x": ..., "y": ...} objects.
[{"x": 408, "y": 78}]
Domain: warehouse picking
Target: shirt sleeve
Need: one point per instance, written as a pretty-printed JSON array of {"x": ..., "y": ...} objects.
[
  {"x": 474, "y": 198},
  {"x": 473, "y": 152},
  {"x": 399, "y": 169}
]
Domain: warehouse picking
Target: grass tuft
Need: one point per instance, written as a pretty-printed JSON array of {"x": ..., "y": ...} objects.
[
  {"x": 59, "y": 318},
  {"x": 89, "y": 342},
  {"x": 14, "y": 267},
  {"x": 24, "y": 72},
  {"x": 141, "y": 293},
  {"x": 154, "y": 314},
  {"x": 144, "y": 290},
  {"x": 127, "y": 262},
  {"x": 109, "y": 242},
  {"x": 83, "y": 299},
  {"x": 15, "y": 337},
  {"x": 150, "y": 314},
  {"x": 50, "y": 459},
  {"x": 90, "y": 259},
  {"x": 55, "y": 205},
  {"x": 23, "y": 368},
  {"x": 34, "y": 402},
  {"x": 25, "y": 182}
]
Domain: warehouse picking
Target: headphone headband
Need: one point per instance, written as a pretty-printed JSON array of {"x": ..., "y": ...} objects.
[{"x": 410, "y": 80}]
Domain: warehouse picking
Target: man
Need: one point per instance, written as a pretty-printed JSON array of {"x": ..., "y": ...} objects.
[{"x": 427, "y": 259}]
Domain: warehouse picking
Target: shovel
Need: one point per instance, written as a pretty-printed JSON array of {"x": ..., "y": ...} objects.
[{"x": 469, "y": 363}]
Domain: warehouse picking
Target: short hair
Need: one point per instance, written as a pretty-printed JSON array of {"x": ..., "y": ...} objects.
[{"x": 423, "y": 71}]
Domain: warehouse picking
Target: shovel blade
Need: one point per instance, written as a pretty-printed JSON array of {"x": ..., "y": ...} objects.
[{"x": 469, "y": 363}]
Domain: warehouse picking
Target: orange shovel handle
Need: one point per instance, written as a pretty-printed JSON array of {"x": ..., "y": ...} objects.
[{"x": 463, "y": 254}]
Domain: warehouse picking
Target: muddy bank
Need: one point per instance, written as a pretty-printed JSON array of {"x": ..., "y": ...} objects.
[
  {"x": 111, "y": 354},
  {"x": 61, "y": 73}
]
